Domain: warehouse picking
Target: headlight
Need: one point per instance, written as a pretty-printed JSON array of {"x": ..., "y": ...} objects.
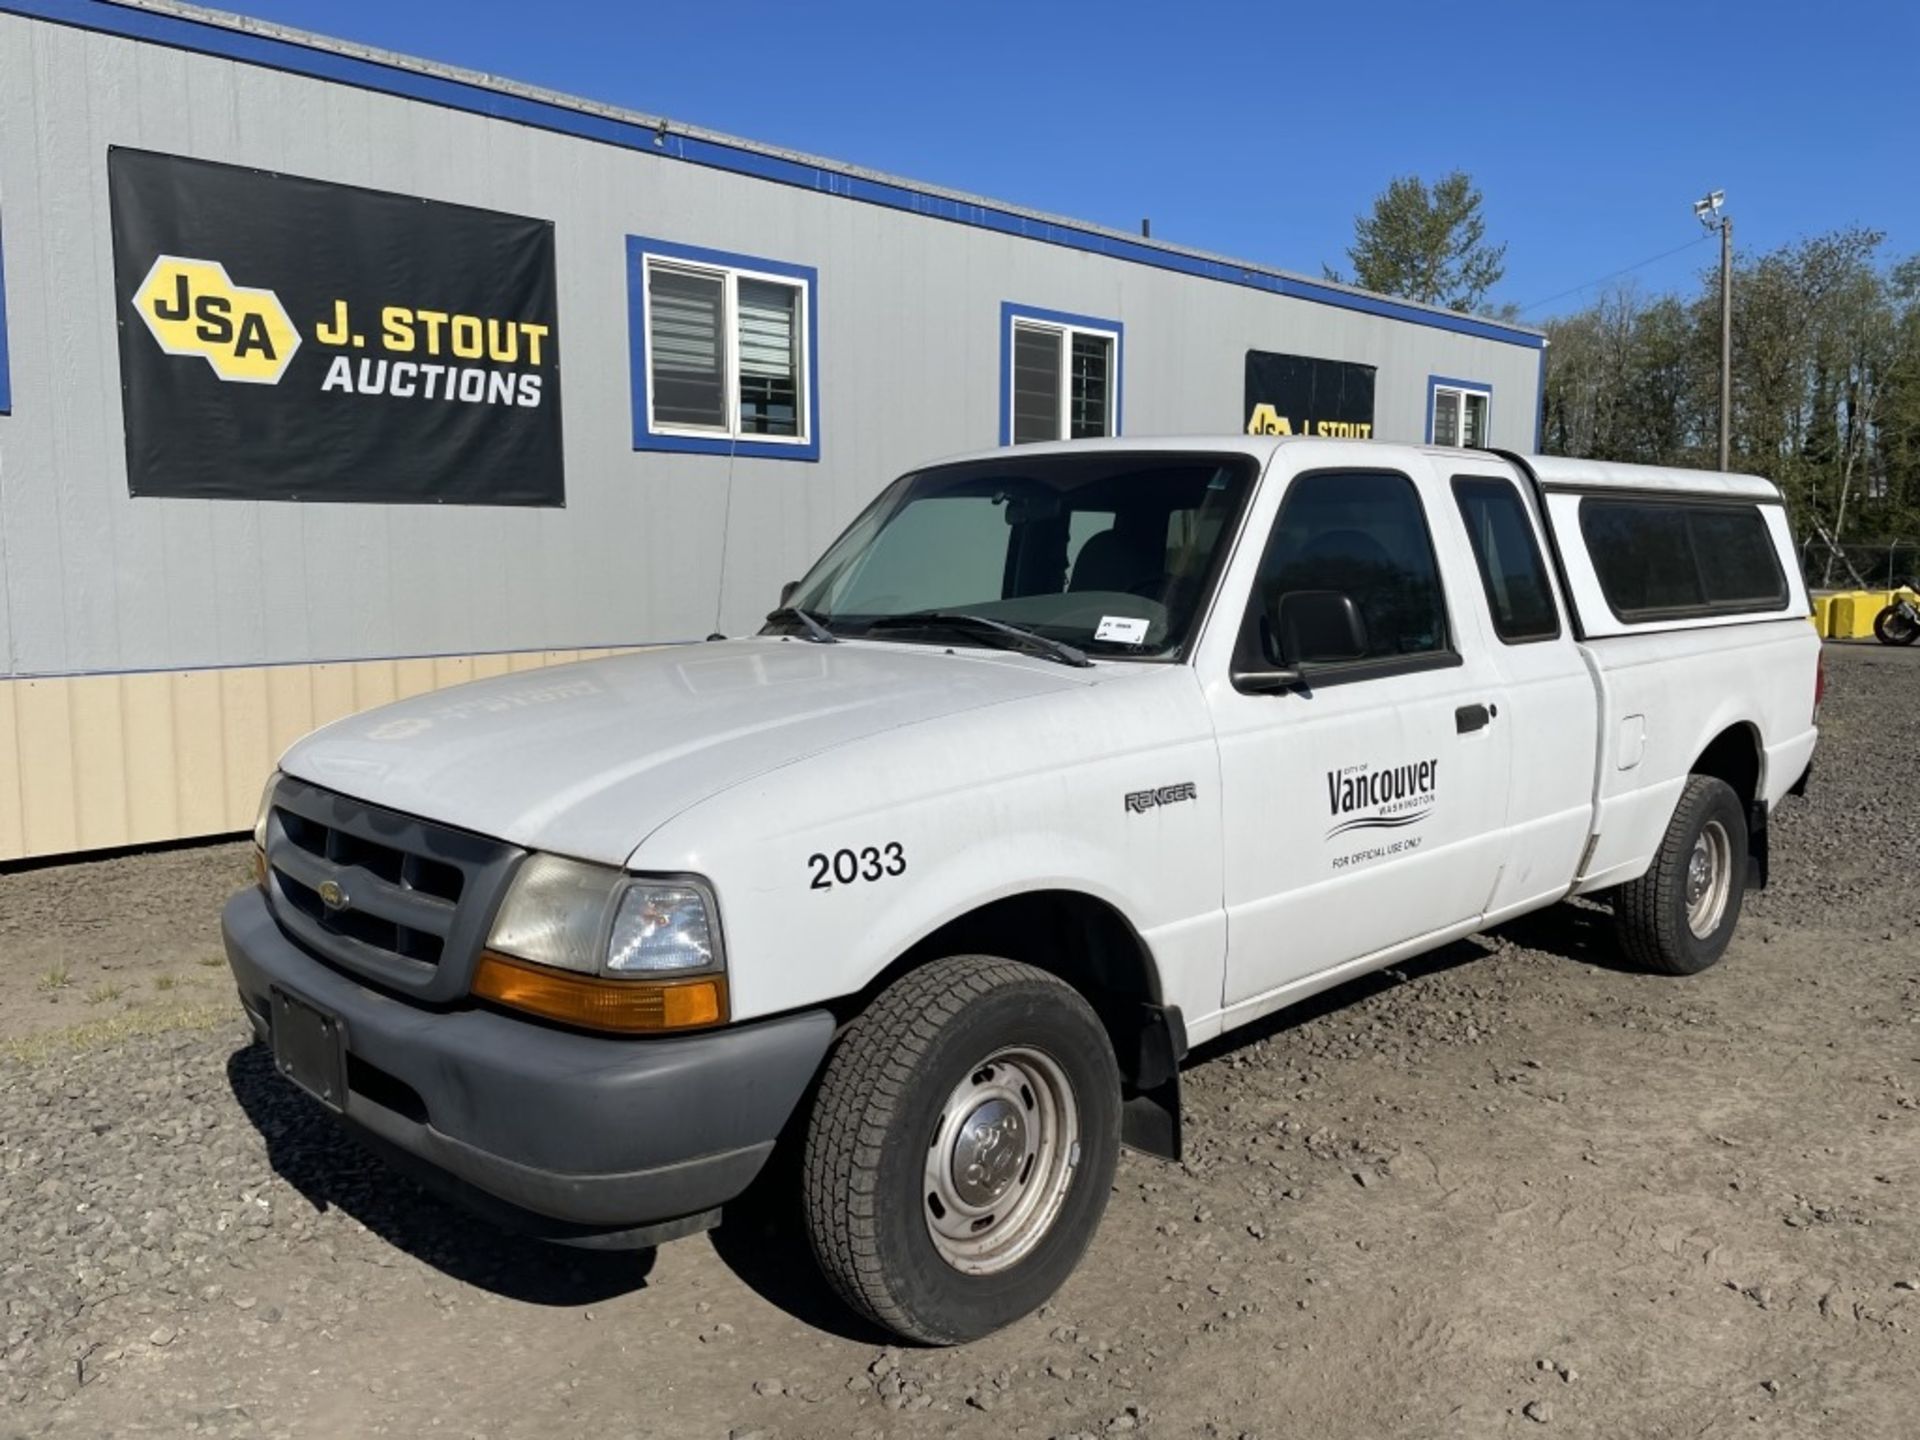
[
  {"x": 595, "y": 947},
  {"x": 260, "y": 830},
  {"x": 659, "y": 928},
  {"x": 556, "y": 914}
]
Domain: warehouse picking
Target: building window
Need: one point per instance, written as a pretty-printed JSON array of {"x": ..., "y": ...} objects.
[
  {"x": 1060, "y": 376},
  {"x": 724, "y": 352},
  {"x": 1458, "y": 412}
]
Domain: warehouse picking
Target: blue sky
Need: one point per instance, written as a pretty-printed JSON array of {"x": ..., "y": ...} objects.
[{"x": 1261, "y": 130}]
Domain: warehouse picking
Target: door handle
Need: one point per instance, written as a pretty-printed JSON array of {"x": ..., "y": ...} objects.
[{"x": 1469, "y": 718}]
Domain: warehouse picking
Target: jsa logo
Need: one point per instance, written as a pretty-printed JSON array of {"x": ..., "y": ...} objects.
[{"x": 194, "y": 308}]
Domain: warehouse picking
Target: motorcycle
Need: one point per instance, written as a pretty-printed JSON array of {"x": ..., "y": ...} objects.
[{"x": 1899, "y": 623}]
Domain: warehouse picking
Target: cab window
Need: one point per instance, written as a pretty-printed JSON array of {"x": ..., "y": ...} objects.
[
  {"x": 1512, "y": 572},
  {"x": 1351, "y": 543}
]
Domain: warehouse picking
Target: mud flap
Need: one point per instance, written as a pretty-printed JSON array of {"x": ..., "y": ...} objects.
[
  {"x": 1150, "y": 1120},
  {"x": 1150, "y": 1107}
]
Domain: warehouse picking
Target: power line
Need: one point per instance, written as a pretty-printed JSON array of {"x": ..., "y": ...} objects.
[{"x": 1615, "y": 275}]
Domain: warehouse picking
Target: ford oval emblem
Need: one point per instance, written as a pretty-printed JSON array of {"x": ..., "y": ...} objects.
[{"x": 332, "y": 896}]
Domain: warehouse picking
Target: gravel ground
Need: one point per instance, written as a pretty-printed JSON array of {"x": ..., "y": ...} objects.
[
  {"x": 1503, "y": 1190},
  {"x": 115, "y": 943}
]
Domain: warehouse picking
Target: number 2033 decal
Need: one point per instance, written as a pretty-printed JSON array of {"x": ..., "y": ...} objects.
[{"x": 848, "y": 867}]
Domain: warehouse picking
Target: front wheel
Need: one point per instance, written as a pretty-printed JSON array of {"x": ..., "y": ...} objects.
[
  {"x": 1678, "y": 917},
  {"x": 1895, "y": 625},
  {"x": 961, "y": 1148}
]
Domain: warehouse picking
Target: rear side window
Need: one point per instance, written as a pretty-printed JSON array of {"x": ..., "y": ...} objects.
[
  {"x": 1672, "y": 559},
  {"x": 1519, "y": 596},
  {"x": 1738, "y": 565}
]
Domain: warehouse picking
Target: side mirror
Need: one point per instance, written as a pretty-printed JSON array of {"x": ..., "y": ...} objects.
[
  {"x": 1307, "y": 627},
  {"x": 1318, "y": 627},
  {"x": 786, "y": 592},
  {"x": 1266, "y": 682}
]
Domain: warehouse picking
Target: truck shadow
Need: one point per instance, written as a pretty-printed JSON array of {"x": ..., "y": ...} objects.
[
  {"x": 317, "y": 1155},
  {"x": 1578, "y": 930},
  {"x": 763, "y": 1243},
  {"x": 762, "y": 1239},
  {"x": 1339, "y": 997}
]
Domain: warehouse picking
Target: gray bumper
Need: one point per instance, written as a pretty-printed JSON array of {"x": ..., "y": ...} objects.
[{"x": 597, "y": 1134}]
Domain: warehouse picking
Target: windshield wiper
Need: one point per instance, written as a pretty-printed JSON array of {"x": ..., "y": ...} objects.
[
  {"x": 818, "y": 633},
  {"x": 1009, "y": 637}
]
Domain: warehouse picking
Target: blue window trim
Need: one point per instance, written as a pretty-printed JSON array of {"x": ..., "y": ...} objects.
[
  {"x": 1481, "y": 387},
  {"x": 1539, "y": 406},
  {"x": 296, "y": 58},
  {"x": 6, "y": 375},
  {"x": 644, "y": 438},
  {"x": 1011, "y": 310}
]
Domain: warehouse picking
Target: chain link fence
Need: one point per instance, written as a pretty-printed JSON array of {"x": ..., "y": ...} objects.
[{"x": 1883, "y": 566}]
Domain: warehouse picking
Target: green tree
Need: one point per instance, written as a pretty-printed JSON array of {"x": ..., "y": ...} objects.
[
  {"x": 1900, "y": 423},
  {"x": 1826, "y": 386},
  {"x": 1426, "y": 244},
  {"x": 1625, "y": 381}
]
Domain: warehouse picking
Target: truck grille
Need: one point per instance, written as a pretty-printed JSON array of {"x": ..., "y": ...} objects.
[{"x": 396, "y": 898}]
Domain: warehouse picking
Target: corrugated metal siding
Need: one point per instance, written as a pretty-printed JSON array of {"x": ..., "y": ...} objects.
[
  {"x": 91, "y": 580},
  {"x": 90, "y": 762}
]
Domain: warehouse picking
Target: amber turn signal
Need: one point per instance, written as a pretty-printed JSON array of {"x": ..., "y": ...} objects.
[{"x": 622, "y": 1006}]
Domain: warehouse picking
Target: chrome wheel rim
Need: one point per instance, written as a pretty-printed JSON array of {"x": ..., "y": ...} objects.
[
  {"x": 1000, "y": 1161},
  {"x": 1709, "y": 879}
]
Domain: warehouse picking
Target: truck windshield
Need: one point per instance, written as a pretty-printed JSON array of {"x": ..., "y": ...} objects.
[{"x": 1111, "y": 552}]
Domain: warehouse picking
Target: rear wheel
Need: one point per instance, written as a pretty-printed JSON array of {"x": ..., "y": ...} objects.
[
  {"x": 961, "y": 1148},
  {"x": 1678, "y": 917},
  {"x": 1895, "y": 625}
]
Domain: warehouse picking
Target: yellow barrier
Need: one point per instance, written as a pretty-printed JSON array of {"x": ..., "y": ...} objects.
[
  {"x": 1853, "y": 615},
  {"x": 1849, "y": 614}
]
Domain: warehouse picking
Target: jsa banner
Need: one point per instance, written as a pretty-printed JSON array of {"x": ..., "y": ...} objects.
[
  {"x": 290, "y": 339},
  {"x": 1305, "y": 395}
]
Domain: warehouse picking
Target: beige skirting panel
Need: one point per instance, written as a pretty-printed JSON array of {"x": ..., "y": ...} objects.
[{"x": 89, "y": 762}]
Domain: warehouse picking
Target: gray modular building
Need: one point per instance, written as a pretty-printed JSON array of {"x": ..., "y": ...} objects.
[{"x": 328, "y": 375}]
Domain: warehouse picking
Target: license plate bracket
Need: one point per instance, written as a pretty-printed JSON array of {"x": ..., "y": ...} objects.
[{"x": 310, "y": 1049}]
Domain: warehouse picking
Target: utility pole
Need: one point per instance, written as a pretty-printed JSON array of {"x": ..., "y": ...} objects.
[
  {"x": 1726, "y": 341},
  {"x": 1708, "y": 212}
]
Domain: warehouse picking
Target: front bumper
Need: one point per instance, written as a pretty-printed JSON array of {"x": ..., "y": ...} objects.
[{"x": 530, "y": 1123}]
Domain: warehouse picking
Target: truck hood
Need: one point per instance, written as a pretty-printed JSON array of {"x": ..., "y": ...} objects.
[{"x": 588, "y": 759}]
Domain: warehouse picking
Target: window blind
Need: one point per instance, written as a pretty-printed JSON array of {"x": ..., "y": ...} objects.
[
  {"x": 1036, "y": 384},
  {"x": 687, "y": 348}
]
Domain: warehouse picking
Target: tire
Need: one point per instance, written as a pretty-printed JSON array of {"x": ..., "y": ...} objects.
[
  {"x": 1892, "y": 627},
  {"x": 1678, "y": 917},
  {"x": 969, "y": 1037}
]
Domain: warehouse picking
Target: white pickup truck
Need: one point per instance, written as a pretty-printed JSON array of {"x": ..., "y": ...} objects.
[{"x": 1061, "y": 760}]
